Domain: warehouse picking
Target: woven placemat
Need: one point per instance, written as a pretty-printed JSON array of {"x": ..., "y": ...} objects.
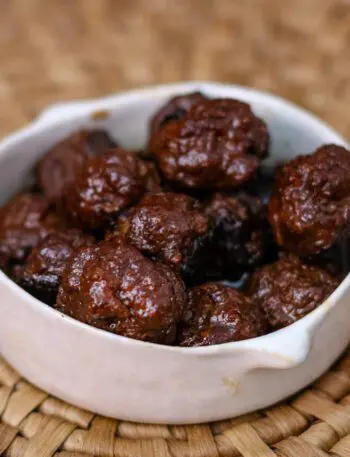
[
  {"x": 61, "y": 49},
  {"x": 58, "y": 50},
  {"x": 315, "y": 423}
]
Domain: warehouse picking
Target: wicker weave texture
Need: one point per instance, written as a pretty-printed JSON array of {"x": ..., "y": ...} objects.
[
  {"x": 62, "y": 49},
  {"x": 315, "y": 423}
]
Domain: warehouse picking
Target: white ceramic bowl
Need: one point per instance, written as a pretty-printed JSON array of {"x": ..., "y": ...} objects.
[{"x": 133, "y": 380}]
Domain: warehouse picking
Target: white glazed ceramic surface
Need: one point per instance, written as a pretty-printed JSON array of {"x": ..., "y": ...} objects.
[{"x": 132, "y": 380}]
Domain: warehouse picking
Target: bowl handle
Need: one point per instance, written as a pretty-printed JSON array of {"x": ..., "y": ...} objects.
[
  {"x": 279, "y": 351},
  {"x": 290, "y": 346}
]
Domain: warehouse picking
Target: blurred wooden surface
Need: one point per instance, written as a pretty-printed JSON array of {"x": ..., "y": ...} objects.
[{"x": 62, "y": 49}]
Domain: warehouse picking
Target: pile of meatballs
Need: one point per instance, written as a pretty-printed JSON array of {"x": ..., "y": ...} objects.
[{"x": 191, "y": 241}]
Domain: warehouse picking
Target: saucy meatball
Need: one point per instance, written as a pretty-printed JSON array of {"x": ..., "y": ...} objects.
[
  {"x": 217, "y": 314},
  {"x": 175, "y": 109},
  {"x": 112, "y": 286},
  {"x": 289, "y": 289},
  {"x": 310, "y": 207},
  {"x": 242, "y": 237},
  {"x": 42, "y": 271},
  {"x": 218, "y": 144},
  {"x": 107, "y": 185},
  {"x": 24, "y": 221},
  {"x": 170, "y": 227},
  {"x": 63, "y": 163}
]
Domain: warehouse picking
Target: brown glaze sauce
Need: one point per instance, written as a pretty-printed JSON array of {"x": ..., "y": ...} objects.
[{"x": 190, "y": 241}]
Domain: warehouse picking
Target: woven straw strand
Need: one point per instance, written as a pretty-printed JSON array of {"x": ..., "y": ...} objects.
[
  {"x": 314, "y": 424},
  {"x": 88, "y": 48}
]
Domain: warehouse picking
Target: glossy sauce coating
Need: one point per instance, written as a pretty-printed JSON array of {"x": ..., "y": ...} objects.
[
  {"x": 310, "y": 207},
  {"x": 170, "y": 227},
  {"x": 24, "y": 221},
  {"x": 112, "y": 286},
  {"x": 217, "y": 144},
  {"x": 174, "y": 109},
  {"x": 195, "y": 205},
  {"x": 242, "y": 238},
  {"x": 42, "y": 271},
  {"x": 288, "y": 289},
  {"x": 218, "y": 314},
  {"x": 62, "y": 164},
  {"x": 107, "y": 185}
]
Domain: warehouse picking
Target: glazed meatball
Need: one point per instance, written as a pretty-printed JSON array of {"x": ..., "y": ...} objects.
[
  {"x": 170, "y": 227},
  {"x": 107, "y": 185},
  {"x": 217, "y": 144},
  {"x": 175, "y": 109},
  {"x": 289, "y": 289},
  {"x": 63, "y": 163},
  {"x": 112, "y": 286},
  {"x": 24, "y": 221},
  {"x": 310, "y": 206},
  {"x": 42, "y": 271},
  {"x": 217, "y": 314},
  {"x": 242, "y": 237}
]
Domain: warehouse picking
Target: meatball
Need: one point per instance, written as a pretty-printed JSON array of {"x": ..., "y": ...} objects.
[
  {"x": 112, "y": 286},
  {"x": 172, "y": 228},
  {"x": 63, "y": 163},
  {"x": 217, "y": 144},
  {"x": 24, "y": 221},
  {"x": 310, "y": 207},
  {"x": 242, "y": 237},
  {"x": 175, "y": 108},
  {"x": 289, "y": 289},
  {"x": 217, "y": 314},
  {"x": 107, "y": 185},
  {"x": 41, "y": 274}
]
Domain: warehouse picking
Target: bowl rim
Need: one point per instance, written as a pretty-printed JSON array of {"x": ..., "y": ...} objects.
[{"x": 73, "y": 109}]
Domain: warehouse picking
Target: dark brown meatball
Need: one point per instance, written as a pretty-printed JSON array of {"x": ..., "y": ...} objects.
[
  {"x": 24, "y": 221},
  {"x": 62, "y": 164},
  {"x": 170, "y": 227},
  {"x": 41, "y": 274},
  {"x": 107, "y": 185},
  {"x": 218, "y": 314},
  {"x": 217, "y": 144},
  {"x": 174, "y": 109},
  {"x": 242, "y": 237},
  {"x": 310, "y": 206},
  {"x": 289, "y": 289},
  {"x": 112, "y": 286}
]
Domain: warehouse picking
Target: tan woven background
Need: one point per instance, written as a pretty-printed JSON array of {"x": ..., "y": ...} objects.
[
  {"x": 52, "y": 50},
  {"x": 314, "y": 424},
  {"x": 59, "y": 49}
]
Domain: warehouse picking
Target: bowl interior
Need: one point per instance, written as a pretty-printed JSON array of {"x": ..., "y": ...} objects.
[
  {"x": 126, "y": 116},
  {"x": 293, "y": 131}
]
